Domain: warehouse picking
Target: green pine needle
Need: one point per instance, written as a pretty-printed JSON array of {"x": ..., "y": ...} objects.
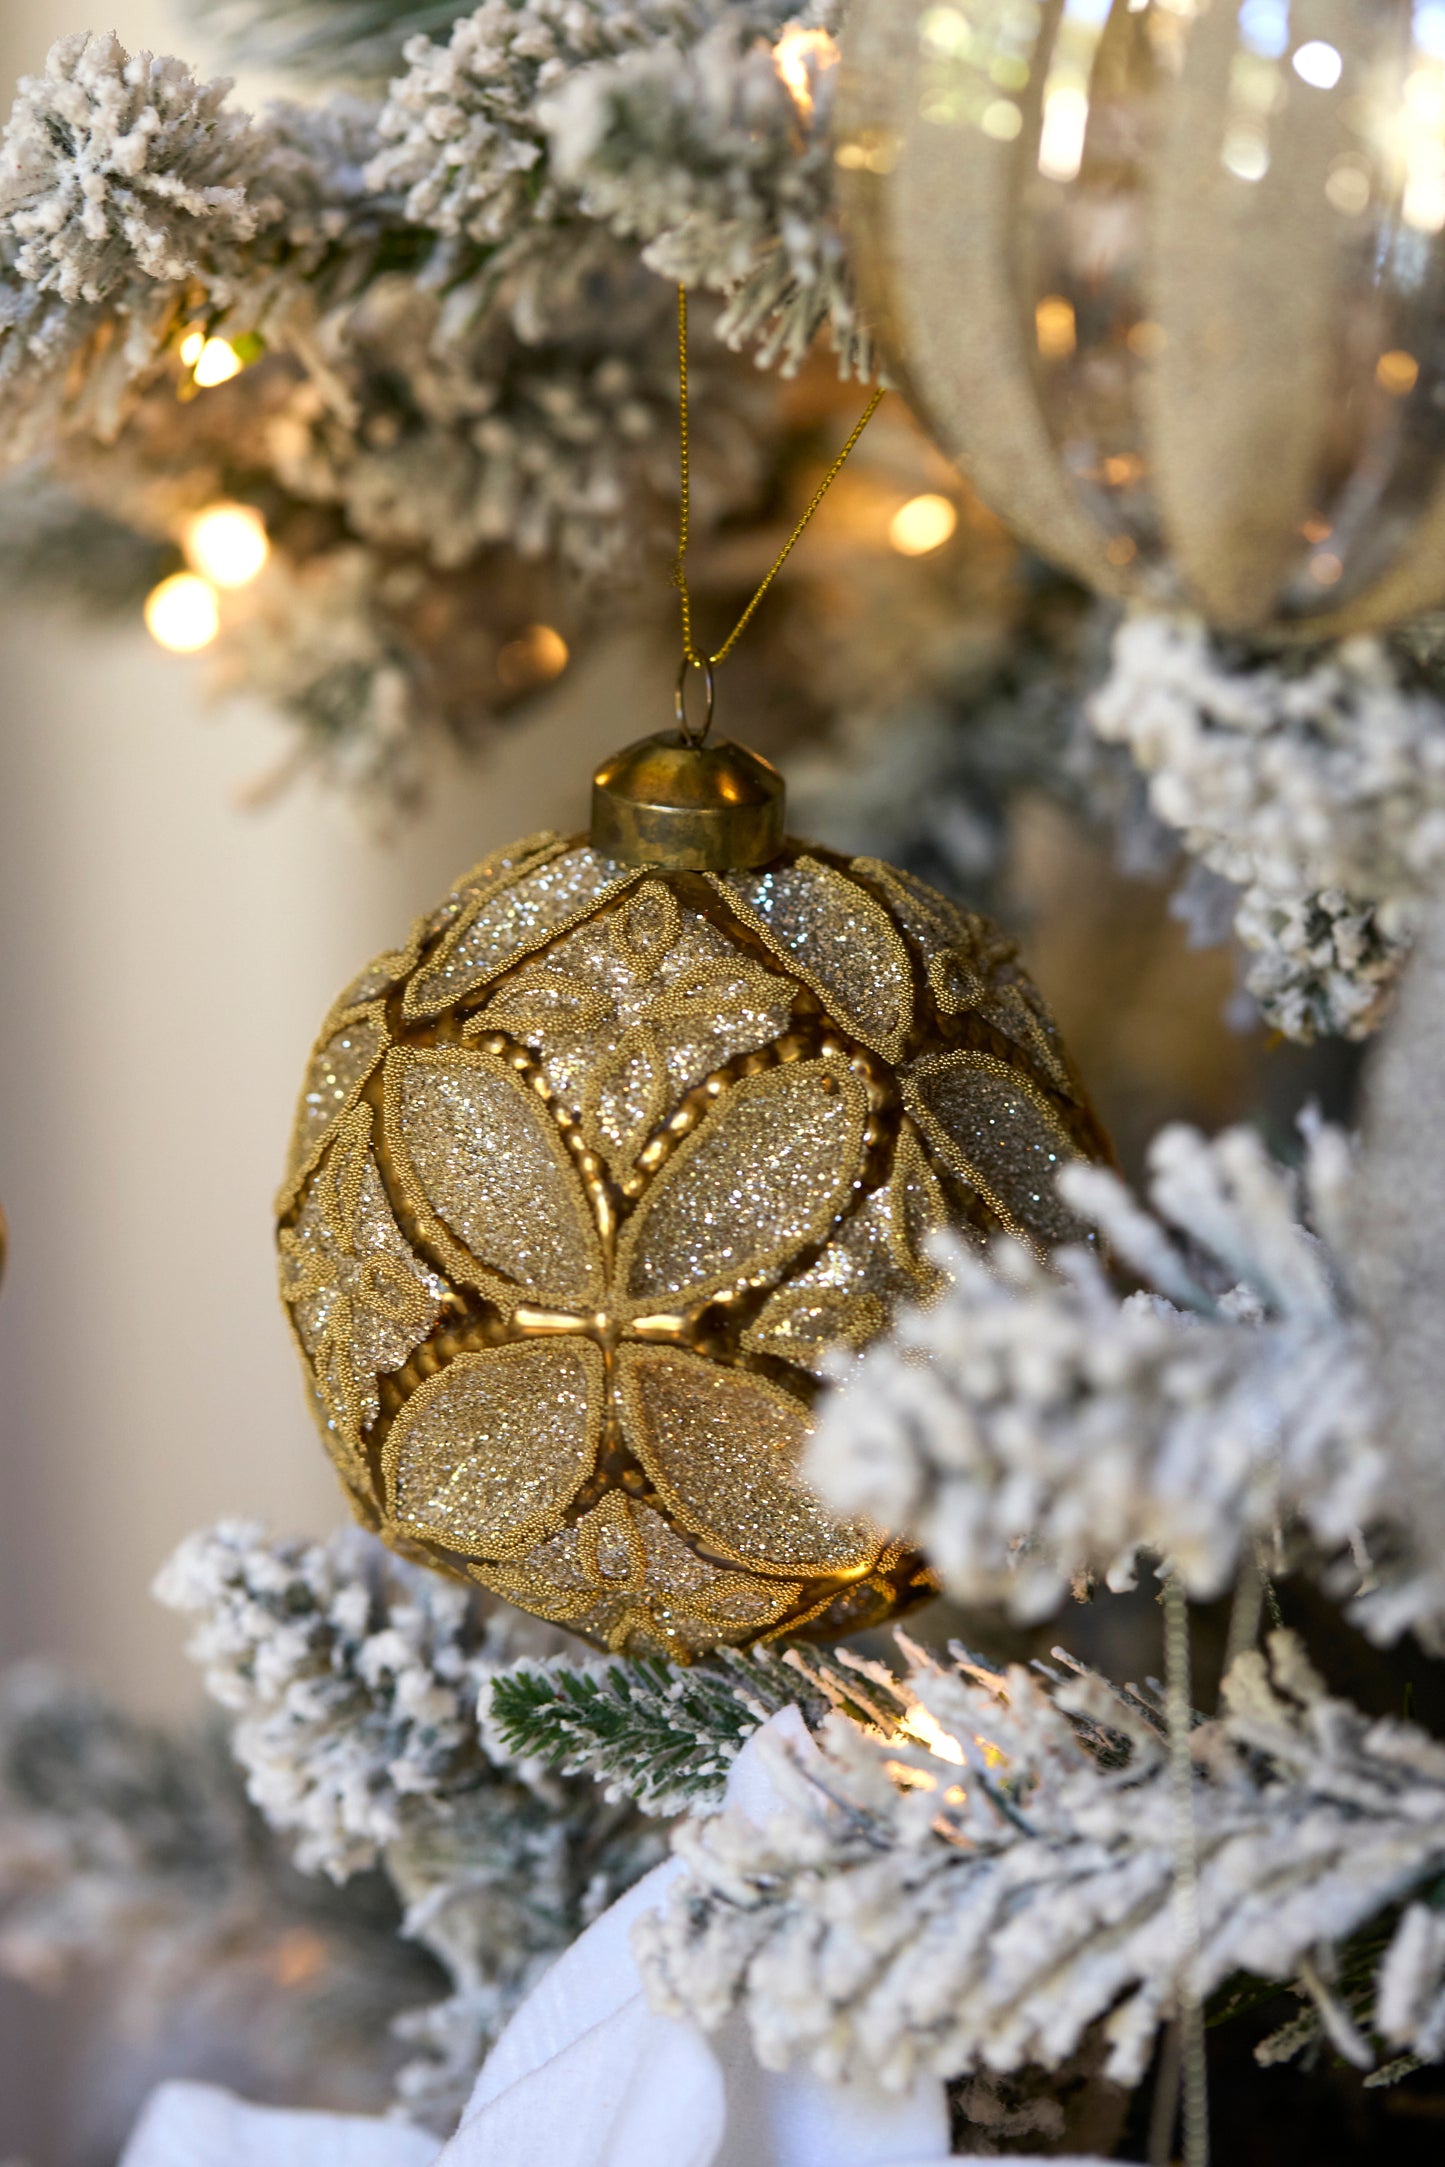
[{"x": 662, "y": 1736}]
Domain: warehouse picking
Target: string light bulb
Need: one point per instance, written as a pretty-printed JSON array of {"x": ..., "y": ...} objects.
[
  {"x": 182, "y": 614},
  {"x": 791, "y": 56},
  {"x": 535, "y": 659},
  {"x": 922, "y": 524},
  {"x": 216, "y": 363},
  {"x": 226, "y": 544}
]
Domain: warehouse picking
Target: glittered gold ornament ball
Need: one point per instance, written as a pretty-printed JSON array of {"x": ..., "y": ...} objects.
[{"x": 590, "y": 1176}]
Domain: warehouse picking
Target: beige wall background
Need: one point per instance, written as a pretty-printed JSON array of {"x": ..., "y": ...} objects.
[{"x": 165, "y": 959}]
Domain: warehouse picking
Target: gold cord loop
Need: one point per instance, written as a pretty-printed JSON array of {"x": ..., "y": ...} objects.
[
  {"x": 694, "y": 737},
  {"x": 691, "y": 654}
]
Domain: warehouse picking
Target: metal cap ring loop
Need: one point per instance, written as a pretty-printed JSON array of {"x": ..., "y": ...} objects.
[{"x": 694, "y": 737}]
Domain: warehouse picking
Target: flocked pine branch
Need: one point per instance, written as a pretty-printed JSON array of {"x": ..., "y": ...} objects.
[
  {"x": 130, "y": 193},
  {"x": 1034, "y": 1424},
  {"x": 662, "y": 1736},
  {"x": 355, "y": 41},
  {"x": 129, "y": 1853},
  {"x": 1313, "y": 783},
  {"x": 718, "y": 156},
  {"x": 992, "y": 1886},
  {"x": 351, "y": 1678},
  {"x": 352, "y": 1682}
]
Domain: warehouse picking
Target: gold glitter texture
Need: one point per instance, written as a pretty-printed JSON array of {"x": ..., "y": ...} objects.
[
  {"x": 839, "y": 940},
  {"x": 507, "y": 920},
  {"x": 488, "y": 1167},
  {"x": 721, "y": 1447},
  {"x": 489, "y": 873},
  {"x": 335, "y": 1074},
  {"x": 633, "y": 1009},
  {"x": 622, "y": 1577},
  {"x": 972, "y": 965},
  {"x": 766, "y": 1174},
  {"x": 486, "y": 1456},
  {"x": 360, "y": 1300},
  {"x": 874, "y": 1261},
  {"x": 998, "y": 1132},
  {"x": 593, "y": 1173}
]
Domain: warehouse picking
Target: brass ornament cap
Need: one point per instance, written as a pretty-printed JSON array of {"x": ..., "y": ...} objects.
[
  {"x": 671, "y": 802},
  {"x": 593, "y": 1175}
]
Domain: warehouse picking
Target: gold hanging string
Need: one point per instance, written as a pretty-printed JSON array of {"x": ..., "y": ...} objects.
[{"x": 691, "y": 654}]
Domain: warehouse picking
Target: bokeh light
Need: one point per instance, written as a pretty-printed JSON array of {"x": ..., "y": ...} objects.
[{"x": 182, "y": 614}]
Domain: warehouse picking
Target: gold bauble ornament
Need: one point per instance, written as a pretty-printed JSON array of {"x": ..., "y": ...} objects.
[
  {"x": 1166, "y": 279},
  {"x": 590, "y": 1176}
]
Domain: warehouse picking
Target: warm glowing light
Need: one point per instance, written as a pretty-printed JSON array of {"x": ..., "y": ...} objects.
[
  {"x": 870, "y": 152},
  {"x": 798, "y": 56},
  {"x": 909, "y": 1778},
  {"x": 1245, "y": 153},
  {"x": 1425, "y": 97},
  {"x": 1061, "y": 143},
  {"x": 923, "y": 523},
  {"x": 1121, "y": 550},
  {"x": 216, "y": 363},
  {"x": 1002, "y": 120},
  {"x": 1419, "y": 142},
  {"x": 181, "y": 613},
  {"x": 1326, "y": 568},
  {"x": 1347, "y": 186},
  {"x": 1316, "y": 529},
  {"x": 535, "y": 659},
  {"x": 1055, "y": 327},
  {"x": 1398, "y": 373},
  {"x": 1424, "y": 204},
  {"x": 1123, "y": 469},
  {"x": 226, "y": 544},
  {"x": 1146, "y": 340},
  {"x": 919, "y": 1723},
  {"x": 944, "y": 31},
  {"x": 1318, "y": 64},
  {"x": 191, "y": 346},
  {"x": 299, "y": 1957}
]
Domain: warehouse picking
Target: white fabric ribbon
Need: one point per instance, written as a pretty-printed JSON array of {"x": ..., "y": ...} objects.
[{"x": 587, "y": 2075}]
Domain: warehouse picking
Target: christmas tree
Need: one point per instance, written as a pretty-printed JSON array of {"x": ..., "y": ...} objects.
[{"x": 373, "y": 394}]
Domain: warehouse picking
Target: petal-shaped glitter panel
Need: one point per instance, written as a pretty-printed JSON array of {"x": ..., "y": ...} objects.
[
  {"x": 484, "y": 1162},
  {"x": 873, "y": 1261},
  {"x": 486, "y": 1457},
  {"x": 997, "y": 1132},
  {"x": 335, "y": 1075},
  {"x": 491, "y": 872},
  {"x": 972, "y": 965},
  {"x": 623, "y": 1577},
  {"x": 722, "y": 1447},
  {"x": 499, "y": 928},
  {"x": 765, "y": 1175},
  {"x": 360, "y": 1299},
  {"x": 632, "y": 1009},
  {"x": 836, "y": 937}
]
